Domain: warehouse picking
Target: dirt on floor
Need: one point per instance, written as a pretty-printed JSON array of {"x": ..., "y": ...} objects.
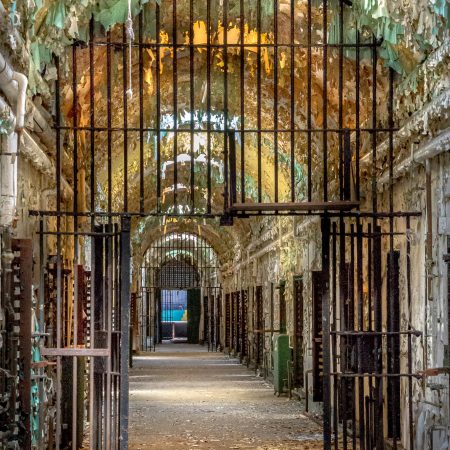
[{"x": 182, "y": 397}]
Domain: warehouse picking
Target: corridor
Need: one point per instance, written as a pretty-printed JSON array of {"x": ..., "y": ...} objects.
[
  {"x": 263, "y": 183},
  {"x": 183, "y": 397}
]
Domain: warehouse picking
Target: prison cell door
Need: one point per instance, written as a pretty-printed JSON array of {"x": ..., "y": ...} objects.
[
  {"x": 148, "y": 318},
  {"x": 193, "y": 315},
  {"x": 88, "y": 352},
  {"x": 298, "y": 333}
]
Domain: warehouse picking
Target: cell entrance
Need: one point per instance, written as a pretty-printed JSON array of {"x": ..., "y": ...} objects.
[{"x": 174, "y": 315}]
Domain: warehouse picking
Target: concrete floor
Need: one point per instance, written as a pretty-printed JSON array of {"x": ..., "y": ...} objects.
[{"x": 183, "y": 397}]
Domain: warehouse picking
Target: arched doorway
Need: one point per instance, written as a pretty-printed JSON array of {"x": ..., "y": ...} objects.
[{"x": 179, "y": 270}]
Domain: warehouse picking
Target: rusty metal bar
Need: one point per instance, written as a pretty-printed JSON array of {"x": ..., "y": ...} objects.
[
  {"x": 58, "y": 257},
  {"x": 69, "y": 351},
  {"x": 158, "y": 110},
  {"x": 152, "y": 45},
  {"x": 125, "y": 115},
  {"x": 125, "y": 329},
  {"x": 258, "y": 96},
  {"x": 91, "y": 412},
  {"x": 309, "y": 100},
  {"x": 75, "y": 238},
  {"x": 191, "y": 101},
  {"x": 175, "y": 107},
  {"x": 275, "y": 96},
  {"x": 410, "y": 363},
  {"x": 326, "y": 372},
  {"x": 303, "y": 206},
  {"x": 242, "y": 94},
  {"x": 141, "y": 115},
  {"x": 109, "y": 120},
  {"x": 361, "y": 327},
  {"x": 232, "y": 166},
  {"x": 334, "y": 353},
  {"x": 292, "y": 101},
  {"x": 325, "y": 100},
  {"x": 208, "y": 106}
]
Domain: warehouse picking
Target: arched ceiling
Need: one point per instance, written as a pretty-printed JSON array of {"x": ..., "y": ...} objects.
[
  {"x": 222, "y": 240},
  {"x": 291, "y": 84}
]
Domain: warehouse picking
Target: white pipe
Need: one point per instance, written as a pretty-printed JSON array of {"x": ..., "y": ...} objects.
[
  {"x": 8, "y": 184},
  {"x": 14, "y": 85},
  {"x": 8, "y": 170},
  {"x": 22, "y": 83}
]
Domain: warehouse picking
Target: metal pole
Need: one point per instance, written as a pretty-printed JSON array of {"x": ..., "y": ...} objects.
[
  {"x": 125, "y": 258},
  {"x": 326, "y": 333}
]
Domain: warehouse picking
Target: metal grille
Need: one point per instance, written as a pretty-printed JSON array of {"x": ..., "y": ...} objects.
[
  {"x": 207, "y": 102},
  {"x": 95, "y": 354}
]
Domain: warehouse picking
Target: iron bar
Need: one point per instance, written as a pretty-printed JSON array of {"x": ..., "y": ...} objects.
[
  {"x": 326, "y": 371},
  {"x": 153, "y": 45},
  {"x": 208, "y": 105},
  {"x": 191, "y": 100},
  {"x": 40, "y": 308},
  {"x": 178, "y": 45},
  {"x": 175, "y": 107},
  {"x": 74, "y": 352},
  {"x": 75, "y": 262},
  {"x": 141, "y": 115},
  {"x": 361, "y": 327},
  {"x": 333, "y": 329},
  {"x": 103, "y": 214},
  {"x": 325, "y": 100},
  {"x": 109, "y": 120},
  {"x": 258, "y": 96},
  {"x": 126, "y": 89},
  {"x": 158, "y": 111},
  {"x": 275, "y": 96},
  {"x": 357, "y": 117},
  {"x": 125, "y": 329},
  {"x": 226, "y": 136},
  {"x": 58, "y": 260},
  {"x": 370, "y": 130},
  {"x": 292, "y": 101},
  {"x": 242, "y": 94},
  {"x": 335, "y": 205},
  {"x": 410, "y": 363}
]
